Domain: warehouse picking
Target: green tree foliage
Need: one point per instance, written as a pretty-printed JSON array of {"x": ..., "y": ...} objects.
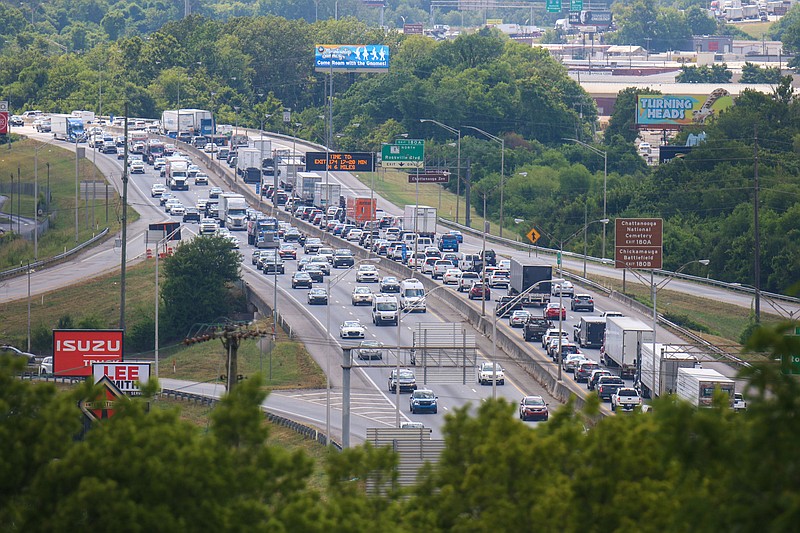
[
  {"x": 752, "y": 73},
  {"x": 623, "y": 118},
  {"x": 705, "y": 74},
  {"x": 196, "y": 286}
]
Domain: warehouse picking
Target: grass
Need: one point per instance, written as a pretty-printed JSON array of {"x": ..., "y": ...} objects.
[
  {"x": 18, "y": 164},
  {"x": 97, "y": 301},
  {"x": 755, "y": 29}
]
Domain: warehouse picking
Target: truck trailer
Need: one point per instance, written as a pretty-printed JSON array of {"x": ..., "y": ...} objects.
[
  {"x": 590, "y": 331},
  {"x": 421, "y": 219},
  {"x": 623, "y": 343},
  {"x": 523, "y": 277},
  {"x": 304, "y": 188},
  {"x": 196, "y": 121},
  {"x": 697, "y": 385},
  {"x": 660, "y": 371},
  {"x": 360, "y": 209},
  {"x": 248, "y": 164},
  {"x": 326, "y": 195},
  {"x": 67, "y": 128}
]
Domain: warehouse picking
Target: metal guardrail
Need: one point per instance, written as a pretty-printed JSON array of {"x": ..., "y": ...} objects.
[
  {"x": 298, "y": 427},
  {"x": 666, "y": 273},
  {"x": 55, "y": 259}
]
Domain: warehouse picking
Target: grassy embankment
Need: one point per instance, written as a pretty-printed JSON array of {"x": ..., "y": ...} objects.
[
  {"x": 97, "y": 300},
  {"x": 723, "y": 322},
  {"x": 20, "y": 162}
]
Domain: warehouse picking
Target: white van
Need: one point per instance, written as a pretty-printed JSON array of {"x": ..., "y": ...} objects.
[
  {"x": 468, "y": 262},
  {"x": 384, "y": 310},
  {"x": 412, "y": 295}
]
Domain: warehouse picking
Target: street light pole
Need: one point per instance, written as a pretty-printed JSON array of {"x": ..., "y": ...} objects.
[
  {"x": 458, "y": 173},
  {"x": 502, "y": 143}
]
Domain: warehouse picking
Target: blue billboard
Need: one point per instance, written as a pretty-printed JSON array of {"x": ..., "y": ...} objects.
[{"x": 351, "y": 58}]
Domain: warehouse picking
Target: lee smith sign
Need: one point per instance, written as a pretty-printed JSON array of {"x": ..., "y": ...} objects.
[{"x": 126, "y": 376}]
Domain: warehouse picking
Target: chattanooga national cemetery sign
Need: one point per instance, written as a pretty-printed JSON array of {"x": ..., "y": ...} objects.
[
  {"x": 351, "y": 58},
  {"x": 638, "y": 242}
]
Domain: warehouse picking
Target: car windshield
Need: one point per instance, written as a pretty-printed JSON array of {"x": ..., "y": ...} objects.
[
  {"x": 318, "y": 292},
  {"x": 362, "y": 290},
  {"x": 301, "y": 275},
  {"x": 415, "y": 293},
  {"x": 352, "y": 324},
  {"x": 406, "y": 374},
  {"x": 534, "y": 400},
  {"x": 489, "y": 367},
  {"x": 389, "y": 280},
  {"x": 424, "y": 394},
  {"x": 367, "y": 268},
  {"x": 370, "y": 344},
  {"x": 387, "y": 307}
]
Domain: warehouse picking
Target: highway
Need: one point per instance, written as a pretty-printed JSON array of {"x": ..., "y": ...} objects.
[{"x": 372, "y": 402}]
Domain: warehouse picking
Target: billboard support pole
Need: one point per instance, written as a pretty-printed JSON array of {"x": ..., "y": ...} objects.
[{"x": 124, "y": 254}]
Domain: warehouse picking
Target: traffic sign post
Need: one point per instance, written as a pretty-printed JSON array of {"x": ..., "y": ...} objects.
[{"x": 533, "y": 235}]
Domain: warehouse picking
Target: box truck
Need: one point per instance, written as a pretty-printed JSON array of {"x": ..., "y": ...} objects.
[
  {"x": 326, "y": 194},
  {"x": 304, "y": 188},
  {"x": 360, "y": 209},
  {"x": 590, "y": 331},
  {"x": 660, "y": 369},
  {"x": 697, "y": 385},
  {"x": 623, "y": 343},
  {"x": 248, "y": 164},
  {"x": 196, "y": 121},
  {"x": 523, "y": 277}
]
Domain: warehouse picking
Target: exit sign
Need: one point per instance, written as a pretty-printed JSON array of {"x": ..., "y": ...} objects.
[{"x": 553, "y": 6}]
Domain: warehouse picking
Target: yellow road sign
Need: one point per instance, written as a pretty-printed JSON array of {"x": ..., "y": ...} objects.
[{"x": 533, "y": 235}]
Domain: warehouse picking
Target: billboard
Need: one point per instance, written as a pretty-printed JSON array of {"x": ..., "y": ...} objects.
[
  {"x": 340, "y": 161},
  {"x": 680, "y": 109},
  {"x": 590, "y": 18},
  {"x": 75, "y": 350},
  {"x": 351, "y": 58},
  {"x": 126, "y": 376}
]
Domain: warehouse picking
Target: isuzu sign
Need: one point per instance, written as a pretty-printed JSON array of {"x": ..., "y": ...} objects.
[
  {"x": 76, "y": 350},
  {"x": 126, "y": 376}
]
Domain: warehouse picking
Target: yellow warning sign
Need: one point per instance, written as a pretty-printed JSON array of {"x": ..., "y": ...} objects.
[{"x": 533, "y": 235}]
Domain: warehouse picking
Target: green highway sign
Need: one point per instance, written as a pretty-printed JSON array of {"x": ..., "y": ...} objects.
[
  {"x": 576, "y": 5},
  {"x": 791, "y": 364},
  {"x": 553, "y": 6},
  {"x": 410, "y": 141},
  {"x": 403, "y": 153}
]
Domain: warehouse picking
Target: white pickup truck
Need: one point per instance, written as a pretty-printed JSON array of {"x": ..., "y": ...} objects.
[
  {"x": 739, "y": 403},
  {"x": 626, "y": 399}
]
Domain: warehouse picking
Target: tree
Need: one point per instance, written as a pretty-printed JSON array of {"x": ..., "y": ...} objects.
[
  {"x": 623, "y": 118},
  {"x": 752, "y": 73},
  {"x": 196, "y": 288}
]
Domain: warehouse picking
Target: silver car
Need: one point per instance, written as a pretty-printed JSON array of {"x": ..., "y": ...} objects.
[{"x": 370, "y": 350}]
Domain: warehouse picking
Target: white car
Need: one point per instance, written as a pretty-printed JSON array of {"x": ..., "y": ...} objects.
[
  {"x": 210, "y": 148},
  {"x": 158, "y": 163},
  {"x": 354, "y": 235},
  {"x": 553, "y": 333},
  {"x": 626, "y": 399},
  {"x": 201, "y": 179},
  {"x": 440, "y": 267},
  {"x": 451, "y": 276},
  {"x": 565, "y": 288},
  {"x": 518, "y": 318},
  {"x": 137, "y": 167},
  {"x": 504, "y": 264},
  {"x": 367, "y": 274},
  {"x": 177, "y": 210},
  {"x": 499, "y": 279},
  {"x": 362, "y": 295},
  {"x": 169, "y": 204},
  {"x": 157, "y": 190},
  {"x": 352, "y": 329},
  {"x": 46, "y": 366},
  {"x": 488, "y": 372}
]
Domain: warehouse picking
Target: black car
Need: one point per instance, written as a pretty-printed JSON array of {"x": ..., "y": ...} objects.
[
  {"x": 291, "y": 235},
  {"x": 191, "y": 215},
  {"x": 301, "y": 280},
  {"x": 318, "y": 296},
  {"x": 343, "y": 258},
  {"x": 389, "y": 284},
  {"x": 271, "y": 266}
]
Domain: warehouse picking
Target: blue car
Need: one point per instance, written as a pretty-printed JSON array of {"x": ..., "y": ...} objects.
[
  {"x": 459, "y": 236},
  {"x": 422, "y": 401}
]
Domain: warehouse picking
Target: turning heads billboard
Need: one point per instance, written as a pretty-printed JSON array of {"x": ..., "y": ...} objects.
[{"x": 679, "y": 109}]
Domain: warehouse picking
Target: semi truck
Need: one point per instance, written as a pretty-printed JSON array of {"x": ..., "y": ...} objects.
[
  {"x": 660, "y": 371},
  {"x": 590, "y": 331},
  {"x": 326, "y": 194},
  {"x": 360, "y": 209},
  {"x": 420, "y": 219},
  {"x": 263, "y": 233},
  {"x": 233, "y": 211},
  {"x": 697, "y": 385},
  {"x": 153, "y": 150},
  {"x": 623, "y": 343},
  {"x": 67, "y": 128},
  {"x": 304, "y": 188},
  {"x": 176, "y": 173},
  {"x": 288, "y": 165},
  {"x": 196, "y": 121},
  {"x": 523, "y": 277}
]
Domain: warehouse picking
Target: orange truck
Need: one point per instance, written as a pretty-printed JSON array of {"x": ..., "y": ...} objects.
[{"x": 360, "y": 210}]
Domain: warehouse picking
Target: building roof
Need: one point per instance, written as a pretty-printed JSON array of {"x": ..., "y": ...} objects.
[{"x": 612, "y": 89}]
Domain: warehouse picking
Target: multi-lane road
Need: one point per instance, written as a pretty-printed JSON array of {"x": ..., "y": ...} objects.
[{"x": 372, "y": 404}]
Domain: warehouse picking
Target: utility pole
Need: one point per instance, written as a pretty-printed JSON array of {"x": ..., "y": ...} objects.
[
  {"x": 756, "y": 232},
  {"x": 468, "y": 194},
  {"x": 231, "y": 337},
  {"x": 123, "y": 255}
]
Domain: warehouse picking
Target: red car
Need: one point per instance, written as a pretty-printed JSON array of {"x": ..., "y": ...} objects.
[
  {"x": 287, "y": 252},
  {"x": 551, "y": 311},
  {"x": 479, "y": 291}
]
